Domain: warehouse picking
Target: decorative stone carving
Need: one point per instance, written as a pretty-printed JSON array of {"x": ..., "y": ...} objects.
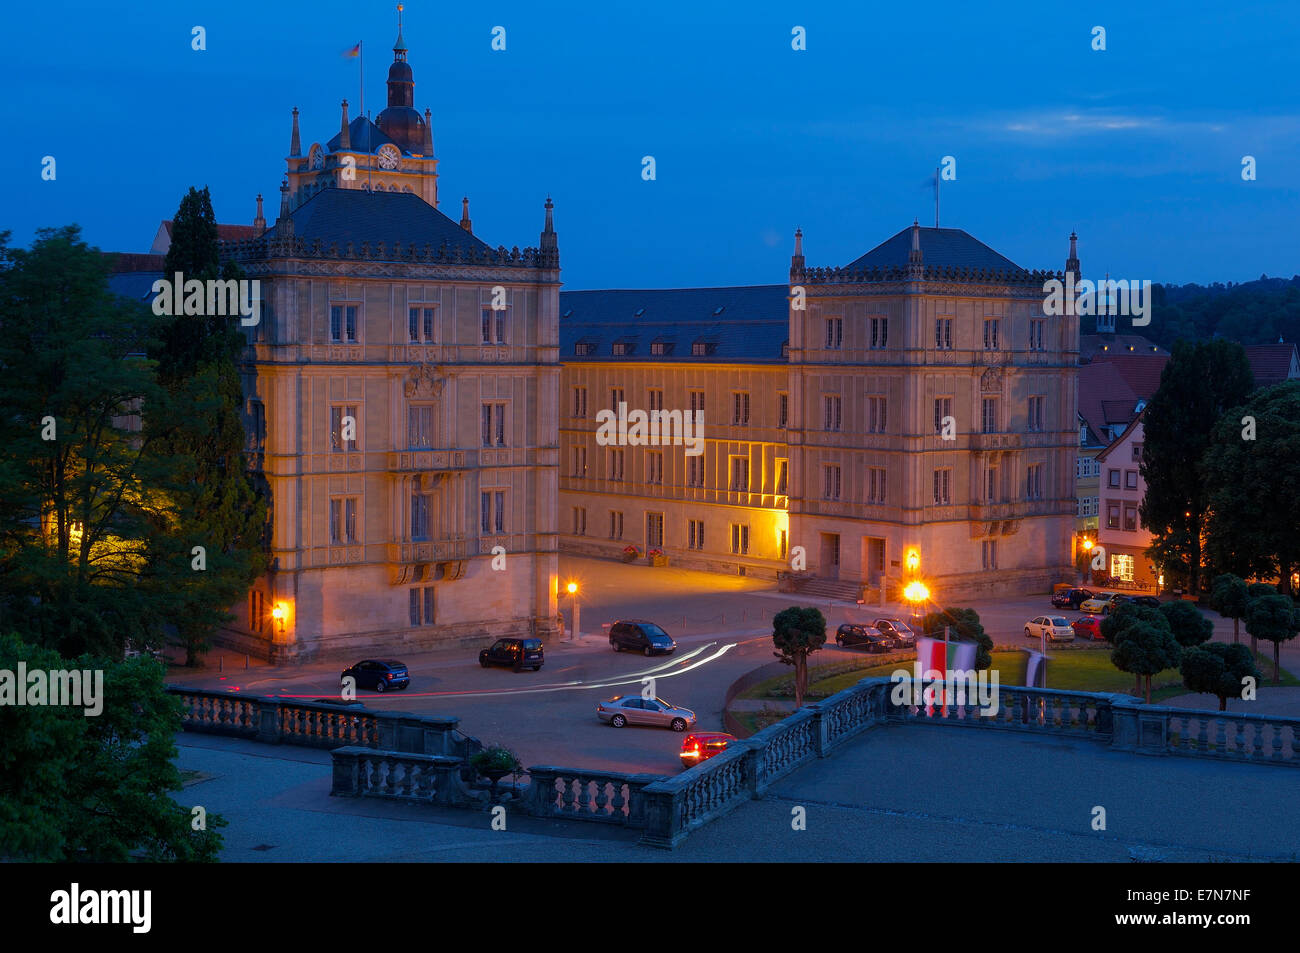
[
  {"x": 423, "y": 381},
  {"x": 991, "y": 379}
]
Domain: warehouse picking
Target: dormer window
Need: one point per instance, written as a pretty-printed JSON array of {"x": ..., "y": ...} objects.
[
  {"x": 584, "y": 348},
  {"x": 661, "y": 348},
  {"x": 703, "y": 348},
  {"x": 623, "y": 348}
]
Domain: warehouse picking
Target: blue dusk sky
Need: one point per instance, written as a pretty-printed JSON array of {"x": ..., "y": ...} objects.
[{"x": 1138, "y": 147}]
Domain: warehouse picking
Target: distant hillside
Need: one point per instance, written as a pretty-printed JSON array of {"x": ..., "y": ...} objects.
[{"x": 1252, "y": 312}]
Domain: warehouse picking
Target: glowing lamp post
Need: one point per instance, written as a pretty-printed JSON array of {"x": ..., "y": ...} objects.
[
  {"x": 572, "y": 590},
  {"x": 278, "y": 613},
  {"x": 1087, "y": 557},
  {"x": 916, "y": 595}
]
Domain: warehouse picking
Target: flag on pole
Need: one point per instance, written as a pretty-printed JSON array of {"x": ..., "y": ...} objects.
[
  {"x": 353, "y": 53},
  {"x": 936, "y": 655}
]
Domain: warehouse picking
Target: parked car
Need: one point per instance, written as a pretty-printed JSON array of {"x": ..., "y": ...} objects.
[
  {"x": 1096, "y": 602},
  {"x": 896, "y": 629},
  {"x": 1070, "y": 598},
  {"x": 518, "y": 654},
  {"x": 634, "y": 710},
  {"x": 1115, "y": 601},
  {"x": 865, "y": 636},
  {"x": 1089, "y": 627},
  {"x": 637, "y": 636},
  {"x": 703, "y": 745},
  {"x": 1055, "y": 628},
  {"x": 1149, "y": 601},
  {"x": 379, "y": 674}
]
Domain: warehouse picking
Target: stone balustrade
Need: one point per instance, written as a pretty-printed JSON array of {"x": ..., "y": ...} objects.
[
  {"x": 611, "y": 797},
  {"x": 1232, "y": 736},
  {"x": 365, "y": 772}
]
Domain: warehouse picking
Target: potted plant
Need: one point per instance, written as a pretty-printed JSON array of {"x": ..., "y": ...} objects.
[
  {"x": 494, "y": 763},
  {"x": 630, "y": 553},
  {"x": 657, "y": 557}
]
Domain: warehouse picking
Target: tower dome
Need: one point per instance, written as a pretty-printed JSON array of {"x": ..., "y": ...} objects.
[{"x": 400, "y": 121}]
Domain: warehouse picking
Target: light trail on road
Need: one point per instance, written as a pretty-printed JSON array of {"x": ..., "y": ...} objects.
[{"x": 634, "y": 678}]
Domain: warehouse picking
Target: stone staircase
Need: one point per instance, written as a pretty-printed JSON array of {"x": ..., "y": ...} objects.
[{"x": 845, "y": 591}]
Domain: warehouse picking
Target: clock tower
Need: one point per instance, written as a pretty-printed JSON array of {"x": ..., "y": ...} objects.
[{"x": 392, "y": 154}]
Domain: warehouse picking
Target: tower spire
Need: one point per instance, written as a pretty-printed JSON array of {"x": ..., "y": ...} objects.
[
  {"x": 295, "y": 144},
  {"x": 399, "y": 47},
  {"x": 796, "y": 260},
  {"x": 428, "y": 134},
  {"x": 1072, "y": 263},
  {"x": 345, "y": 137},
  {"x": 259, "y": 222},
  {"x": 464, "y": 215},
  {"x": 550, "y": 241}
]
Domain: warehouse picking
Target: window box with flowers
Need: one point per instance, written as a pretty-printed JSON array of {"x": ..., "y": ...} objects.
[
  {"x": 657, "y": 557},
  {"x": 630, "y": 553}
]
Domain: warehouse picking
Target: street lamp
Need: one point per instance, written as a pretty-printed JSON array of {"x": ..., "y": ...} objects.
[
  {"x": 278, "y": 612},
  {"x": 572, "y": 590},
  {"x": 916, "y": 593}
]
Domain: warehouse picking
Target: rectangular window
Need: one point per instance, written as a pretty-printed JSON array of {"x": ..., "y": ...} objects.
[
  {"x": 990, "y": 554},
  {"x": 834, "y": 333},
  {"x": 699, "y": 349},
  {"x": 654, "y": 530},
  {"x": 991, "y": 328},
  {"x": 879, "y": 331},
  {"x": 1131, "y": 518},
  {"x": 1034, "y": 482},
  {"x": 695, "y": 471},
  {"x": 989, "y": 415},
  {"x": 740, "y": 408},
  {"x": 421, "y": 598},
  {"x": 414, "y": 601},
  {"x": 876, "y": 418},
  {"x": 1137, "y": 452},
  {"x": 831, "y": 412},
  {"x": 782, "y": 468},
  {"x": 419, "y": 516},
  {"x": 580, "y": 402},
  {"x": 991, "y": 484},
  {"x": 258, "y": 430},
  {"x": 419, "y": 427},
  {"x": 831, "y": 482},
  {"x": 782, "y": 410},
  {"x": 615, "y": 524},
  {"x": 614, "y": 464},
  {"x": 656, "y": 399},
  {"x": 1036, "y": 334},
  {"x": 336, "y": 521},
  {"x": 782, "y": 543},
  {"x": 740, "y": 473},
  {"x": 1131, "y": 479},
  {"x": 579, "y": 521},
  {"x": 492, "y": 506},
  {"x": 413, "y": 324},
  {"x": 942, "y": 409},
  {"x": 943, "y": 334},
  {"x": 616, "y": 396},
  {"x": 1121, "y": 566},
  {"x": 1036, "y": 413},
  {"x": 875, "y": 485},
  {"x": 697, "y": 401},
  {"x": 494, "y": 326},
  {"x": 255, "y": 611},
  {"x": 494, "y": 425},
  {"x": 1112, "y": 516},
  {"x": 579, "y": 462},
  {"x": 1112, "y": 477},
  {"x": 428, "y": 331},
  {"x": 343, "y": 420},
  {"x": 942, "y": 487},
  {"x": 350, "y": 323},
  {"x": 655, "y": 466},
  {"x": 739, "y": 539},
  {"x": 695, "y": 534},
  {"x": 336, "y": 323}
]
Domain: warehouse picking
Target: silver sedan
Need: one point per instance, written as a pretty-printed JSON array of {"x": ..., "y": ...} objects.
[{"x": 634, "y": 710}]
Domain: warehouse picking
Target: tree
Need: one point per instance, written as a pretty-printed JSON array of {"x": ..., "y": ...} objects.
[
  {"x": 222, "y": 507},
  {"x": 1273, "y": 617},
  {"x": 1229, "y": 598},
  {"x": 1250, "y": 476},
  {"x": 1200, "y": 381},
  {"x": 1219, "y": 669},
  {"x": 1188, "y": 624},
  {"x": 84, "y": 512},
  {"x": 797, "y": 632},
  {"x": 1144, "y": 643},
  {"x": 76, "y": 787},
  {"x": 963, "y": 624}
]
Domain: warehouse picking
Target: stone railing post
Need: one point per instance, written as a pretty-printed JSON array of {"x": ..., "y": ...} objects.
[
  {"x": 541, "y": 791},
  {"x": 268, "y": 720},
  {"x": 662, "y": 825},
  {"x": 386, "y": 724},
  {"x": 820, "y": 742},
  {"x": 346, "y": 766},
  {"x": 1138, "y": 727}
]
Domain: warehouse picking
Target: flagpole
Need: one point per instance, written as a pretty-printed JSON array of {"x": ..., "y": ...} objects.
[
  {"x": 936, "y": 197},
  {"x": 361, "y": 65}
]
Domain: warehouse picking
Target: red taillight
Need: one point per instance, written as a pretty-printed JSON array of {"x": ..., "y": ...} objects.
[{"x": 389, "y": 676}]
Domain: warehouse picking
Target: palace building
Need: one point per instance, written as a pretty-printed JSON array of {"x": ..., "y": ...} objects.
[
  {"x": 402, "y": 394},
  {"x": 914, "y": 402}
]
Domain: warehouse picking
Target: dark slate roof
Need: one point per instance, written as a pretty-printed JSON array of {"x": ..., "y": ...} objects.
[
  {"x": 1093, "y": 345},
  {"x": 364, "y": 136},
  {"x": 751, "y": 327},
  {"x": 1103, "y": 390},
  {"x": 1272, "y": 363},
  {"x": 940, "y": 248},
  {"x": 136, "y": 285},
  {"x": 353, "y": 215},
  {"x": 1140, "y": 371}
]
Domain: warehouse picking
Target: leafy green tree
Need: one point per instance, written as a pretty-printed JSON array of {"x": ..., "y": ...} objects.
[
  {"x": 83, "y": 510},
  {"x": 1197, "y": 385},
  {"x": 1144, "y": 643},
  {"x": 1273, "y": 617},
  {"x": 1188, "y": 624},
  {"x": 221, "y": 506},
  {"x": 1229, "y": 597},
  {"x": 1218, "y": 669},
  {"x": 797, "y": 632},
  {"x": 95, "y": 788},
  {"x": 1253, "y": 492},
  {"x": 963, "y": 624}
]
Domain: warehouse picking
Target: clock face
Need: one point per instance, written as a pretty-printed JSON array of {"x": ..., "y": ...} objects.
[
  {"x": 388, "y": 157},
  {"x": 317, "y": 158}
]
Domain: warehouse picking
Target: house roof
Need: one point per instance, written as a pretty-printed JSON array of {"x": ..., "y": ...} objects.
[
  {"x": 940, "y": 247},
  {"x": 363, "y": 136},
  {"x": 123, "y": 262},
  {"x": 1093, "y": 346},
  {"x": 1273, "y": 363},
  {"x": 1140, "y": 371},
  {"x": 136, "y": 285},
  {"x": 747, "y": 324},
  {"x": 353, "y": 215},
  {"x": 1103, "y": 395},
  {"x": 1122, "y": 437}
]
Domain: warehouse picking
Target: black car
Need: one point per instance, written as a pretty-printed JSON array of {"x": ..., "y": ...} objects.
[
  {"x": 1150, "y": 601},
  {"x": 518, "y": 654},
  {"x": 379, "y": 674},
  {"x": 1070, "y": 598},
  {"x": 637, "y": 636},
  {"x": 873, "y": 640}
]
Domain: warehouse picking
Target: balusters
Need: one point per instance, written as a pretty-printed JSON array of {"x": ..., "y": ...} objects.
[
  {"x": 1220, "y": 737},
  {"x": 1257, "y": 746},
  {"x": 1202, "y": 736},
  {"x": 1240, "y": 743},
  {"x": 1277, "y": 742}
]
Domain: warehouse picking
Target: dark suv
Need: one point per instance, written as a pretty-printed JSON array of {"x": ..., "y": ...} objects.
[
  {"x": 379, "y": 674},
  {"x": 873, "y": 640},
  {"x": 1071, "y": 598},
  {"x": 636, "y": 636},
  {"x": 518, "y": 654}
]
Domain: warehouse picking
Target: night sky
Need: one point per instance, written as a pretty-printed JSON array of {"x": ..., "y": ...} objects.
[{"x": 1138, "y": 147}]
